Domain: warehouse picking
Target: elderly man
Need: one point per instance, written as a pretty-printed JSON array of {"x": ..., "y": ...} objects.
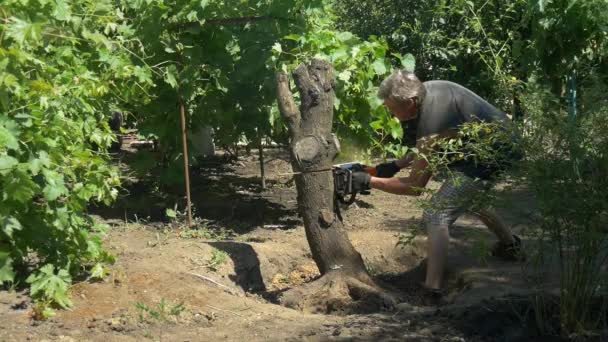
[{"x": 434, "y": 110}]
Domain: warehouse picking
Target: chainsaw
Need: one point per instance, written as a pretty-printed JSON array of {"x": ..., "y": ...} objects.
[{"x": 343, "y": 181}]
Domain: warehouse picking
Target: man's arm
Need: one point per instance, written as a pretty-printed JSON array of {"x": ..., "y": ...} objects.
[
  {"x": 406, "y": 161},
  {"x": 410, "y": 186},
  {"x": 419, "y": 175}
]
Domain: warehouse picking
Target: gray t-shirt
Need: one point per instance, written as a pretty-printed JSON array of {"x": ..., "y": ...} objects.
[{"x": 448, "y": 105}]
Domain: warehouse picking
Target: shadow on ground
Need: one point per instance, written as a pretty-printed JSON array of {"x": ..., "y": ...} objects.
[
  {"x": 217, "y": 194},
  {"x": 247, "y": 271}
]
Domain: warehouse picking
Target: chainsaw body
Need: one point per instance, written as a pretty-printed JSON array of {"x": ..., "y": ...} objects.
[{"x": 343, "y": 181}]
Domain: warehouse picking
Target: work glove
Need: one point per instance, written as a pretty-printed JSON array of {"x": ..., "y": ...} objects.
[
  {"x": 387, "y": 170},
  {"x": 360, "y": 181}
]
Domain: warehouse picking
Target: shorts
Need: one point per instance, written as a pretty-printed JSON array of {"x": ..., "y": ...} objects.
[{"x": 457, "y": 195}]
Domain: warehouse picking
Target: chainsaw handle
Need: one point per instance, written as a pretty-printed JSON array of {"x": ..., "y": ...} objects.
[{"x": 370, "y": 170}]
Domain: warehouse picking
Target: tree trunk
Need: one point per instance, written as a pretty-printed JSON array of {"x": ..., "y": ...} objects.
[{"x": 345, "y": 283}]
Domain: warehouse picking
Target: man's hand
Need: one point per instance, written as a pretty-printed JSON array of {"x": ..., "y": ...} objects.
[
  {"x": 361, "y": 181},
  {"x": 387, "y": 170}
]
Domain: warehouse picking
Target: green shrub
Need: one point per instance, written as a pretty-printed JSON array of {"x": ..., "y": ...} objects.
[{"x": 64, "y": 67}]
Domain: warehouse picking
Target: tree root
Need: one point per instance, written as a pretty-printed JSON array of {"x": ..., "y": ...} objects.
[{"x": 339, "y": 292}]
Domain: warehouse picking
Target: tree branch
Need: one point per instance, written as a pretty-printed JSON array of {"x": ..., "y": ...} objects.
[
  {"x": 231, "y": 21},
  {"x": 287, "y": 105},
  {"x": 243, "y": 20}
]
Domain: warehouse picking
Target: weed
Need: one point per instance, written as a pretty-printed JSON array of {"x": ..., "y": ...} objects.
[
  {"x": 202, "y": 230},
  {"x": 160, "y": 239},
  {"x": 42, "y": 311},
  {"x": 162, "y": 314},
  {"x": 371, "y": 269},
  {"x": 480, "y": 248},
  {"x": 217, "y": 259},
  {"x": 406, "y": 239}
]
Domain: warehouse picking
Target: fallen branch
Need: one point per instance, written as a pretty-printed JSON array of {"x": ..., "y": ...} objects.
[
  {"x": 223, "y": 287},
  {"x": 215, "y": 308}
]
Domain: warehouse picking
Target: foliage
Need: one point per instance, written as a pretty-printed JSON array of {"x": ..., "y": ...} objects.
[
  {"x": 228, "y": 82},
  {"x": 210, "y": 56},
  {"x": 566, "y": 167},
  {"x": 468, "y": 42},
  {"x": 360, "y": 65},
  {"x": 64, "y": 67},
  {"x": 492, "y": 47},
  {"x": 490, "y": 146}
]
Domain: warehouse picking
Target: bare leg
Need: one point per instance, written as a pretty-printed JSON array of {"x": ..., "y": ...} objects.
[
  {"x": 496, "y": 225},
  {"x": 438, "y": 241}
]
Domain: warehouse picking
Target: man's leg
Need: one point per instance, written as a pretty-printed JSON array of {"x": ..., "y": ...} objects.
[
  {"x": 437, "y": 253},
  {"x": 496, "y": 225},
  {"x": 448, "y": 203},
  {"x": 509, "y": 245}
]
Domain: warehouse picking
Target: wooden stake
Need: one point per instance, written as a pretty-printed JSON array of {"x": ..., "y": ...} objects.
[
  {"x": 182, "y": 111},
  {"x": 261, "y": 155}
]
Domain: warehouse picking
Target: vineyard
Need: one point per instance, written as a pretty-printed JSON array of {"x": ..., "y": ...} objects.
[{"x": 163, "y": 170}]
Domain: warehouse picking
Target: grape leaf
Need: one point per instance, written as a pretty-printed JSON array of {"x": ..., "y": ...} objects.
[
  {"x": 7, "y": 274},
  {"x": 7, "y": 163},
  {"x": 45, "y": 284}
]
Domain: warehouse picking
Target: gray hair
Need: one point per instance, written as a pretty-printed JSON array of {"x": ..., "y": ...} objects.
[{"x": 401, "y": 86}]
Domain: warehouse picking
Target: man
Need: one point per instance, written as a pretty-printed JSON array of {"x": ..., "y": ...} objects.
[{"x": 436, "y": 110}]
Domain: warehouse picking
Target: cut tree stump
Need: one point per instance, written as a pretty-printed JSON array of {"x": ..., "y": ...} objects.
[{"x": 345, "y": 285}]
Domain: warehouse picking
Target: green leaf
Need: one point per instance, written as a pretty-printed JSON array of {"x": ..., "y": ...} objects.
[
  {"x": 22, "y": 31},
  {"x": 345, "y": 36},
  {"x": 395, "y": 128},
  {"x": 98, "y": 271},
  {"x": 37, "y": 164},
  {"x": 379, "y": 67},
  {"x": 170, "y": 76},
  {"x": 7, "y": 274},
  {"x": 408, "y": 62},
  {"x": 170, "y": 213},
  {"x": 344, "y": 76},
  {"x": 337, "y": 103},
  {"x": 55, "y": 185},
  {"x": 10, "y": 225},
  {"x": 295, "y": 37},
  {"x": 376, "y": 125},
  {"x": 7, "y": 163},
  {"x": 20, "y": 187},
  {"x": 192, "y": 16},
  {"x": 62, "y": 11},
  {"x": 277, "y": 48},
  {"x": 373, "y": 101},
  {"x": 47, "y": 285},
  {"x": 8, "y": 140}
]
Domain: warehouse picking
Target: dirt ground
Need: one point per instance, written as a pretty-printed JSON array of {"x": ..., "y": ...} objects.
[{"x": 220, "y": 281}]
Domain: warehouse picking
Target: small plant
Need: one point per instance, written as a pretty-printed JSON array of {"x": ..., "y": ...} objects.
[
  {"x": 372, "y": 269},
  {"x": 203, "y": 231},
  {"x": 49, "y": 289},
  {"x": 161, "y": 239},
  {"x": 407, "y": 239},
  {"x": 217, "y": 259},
  {"x": 480, "y": 248},
  {"x": 162, "y": 314}
]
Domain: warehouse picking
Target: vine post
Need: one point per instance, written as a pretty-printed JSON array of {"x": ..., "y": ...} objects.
[
  {"x": 261, "y": 157},
  {"x": 182, "y": 111}
]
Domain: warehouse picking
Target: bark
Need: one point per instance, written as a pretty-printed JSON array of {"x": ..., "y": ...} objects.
[{"x": 313, "y": 148}]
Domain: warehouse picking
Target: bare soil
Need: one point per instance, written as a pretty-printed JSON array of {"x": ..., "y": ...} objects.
[{"x": 249, "y": 247}]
